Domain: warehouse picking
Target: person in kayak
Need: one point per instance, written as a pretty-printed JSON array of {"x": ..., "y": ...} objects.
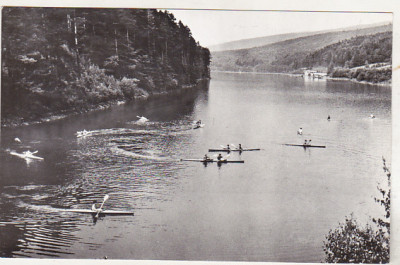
[
  {"x": 329, "y": 117},
  {"x": 94, "y": 208},
  {"x": 300, "y": 131},
  {"x": 206, "y": 157},
  {"x": 198, "y": 122},
  {"x": 228, "y": 147},
  {"x": 240, "y": 147},
  {"x": 27, "y": 153},
  {"x": 219, "y": 157},
  {"x": 305, "y": 142}
]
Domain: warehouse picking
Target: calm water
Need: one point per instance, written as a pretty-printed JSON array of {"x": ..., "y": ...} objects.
[{"x": 277, "y": 206}]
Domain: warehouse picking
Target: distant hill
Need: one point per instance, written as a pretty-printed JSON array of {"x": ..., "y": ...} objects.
[
  {"x": 262, "y": 41},
  {"x": 287, "y": 55}
]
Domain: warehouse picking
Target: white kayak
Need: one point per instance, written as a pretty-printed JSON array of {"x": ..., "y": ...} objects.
[
  {"x": 198, "y": 126},
  {"x": 83, "y": 133},
  {"x": 103, "y": 212},
  {"x": 142, "y": 119},
  {"x": 26, "y": 155}
]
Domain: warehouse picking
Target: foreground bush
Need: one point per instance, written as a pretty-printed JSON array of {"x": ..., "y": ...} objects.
[{"x": 353, "y": 243}]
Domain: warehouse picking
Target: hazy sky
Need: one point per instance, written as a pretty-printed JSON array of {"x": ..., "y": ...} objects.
[{"x": 211, "y": 27}]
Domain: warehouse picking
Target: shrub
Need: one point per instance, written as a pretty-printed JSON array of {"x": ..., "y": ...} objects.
[{"x": 353, "y": 243}]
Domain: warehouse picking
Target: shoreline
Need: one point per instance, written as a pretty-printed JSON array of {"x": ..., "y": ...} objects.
[
  {"x": 385, "y": 84},
  {"x": 62, "y": 114}
]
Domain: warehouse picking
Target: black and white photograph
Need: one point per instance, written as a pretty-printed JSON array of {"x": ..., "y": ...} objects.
[{"x": 196, "y": 134}]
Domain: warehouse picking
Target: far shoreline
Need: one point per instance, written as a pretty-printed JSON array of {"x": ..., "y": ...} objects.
[
  {"x": 14, "y": 123},
  {"x": 382, "y": 84}
]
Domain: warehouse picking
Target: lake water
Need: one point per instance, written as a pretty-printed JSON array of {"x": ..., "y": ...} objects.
[{"x": 277, "y": 206}]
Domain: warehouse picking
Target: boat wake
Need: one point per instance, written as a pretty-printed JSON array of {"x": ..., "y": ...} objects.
[{"x": 122, "y": 151}]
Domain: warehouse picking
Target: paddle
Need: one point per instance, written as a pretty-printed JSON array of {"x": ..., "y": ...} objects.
[
  {"x": 234, "y": 146},
  {"x": 225, "y": 157},
  {"x": 101, "y": 206}
]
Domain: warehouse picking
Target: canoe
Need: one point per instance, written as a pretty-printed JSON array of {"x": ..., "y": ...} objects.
[
  {"x": 307, "y": 145},
  {"x": 105, "y": 212},
  {"x": 212, "y": 161},
  {"x": 26, "y": 156},
  {"x": 233, "y": 150}
]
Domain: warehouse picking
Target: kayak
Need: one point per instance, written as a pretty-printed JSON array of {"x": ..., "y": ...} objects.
[
  {"x": 234, "y": 150},
  {"x": 142, "y": 119},
  {"x": 26, "y": 155},
  {"x": 198, "y": 126},
  {"x": 83, "y": 133},
  {"x": 307, "y": 145},
  {"x": 105, "y": 212},
  {"x": 212, "y": 161}
]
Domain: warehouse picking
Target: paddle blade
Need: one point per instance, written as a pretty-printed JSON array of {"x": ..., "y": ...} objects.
[
  {"x": 35, "y": 152},
  {"x": 106, "y": 198}
]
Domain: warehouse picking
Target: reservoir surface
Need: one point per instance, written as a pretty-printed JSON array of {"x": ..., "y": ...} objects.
[{"x": 276, "y": 206}]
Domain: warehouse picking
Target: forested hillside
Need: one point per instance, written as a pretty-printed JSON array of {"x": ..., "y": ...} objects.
[
  {"x": 333, "y": 48},
  {"x": 349, "y": 53},
  {"x": 57, "y": 60}
]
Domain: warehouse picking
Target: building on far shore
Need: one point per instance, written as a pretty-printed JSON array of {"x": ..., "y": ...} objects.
[{"x": 313, "y": 74}]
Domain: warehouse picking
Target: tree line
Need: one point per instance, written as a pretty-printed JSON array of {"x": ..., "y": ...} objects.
[
  {"x": 345, "y": 58},
  {"x": 61, "y": 59},
  {"x": 340, "y": 58}
]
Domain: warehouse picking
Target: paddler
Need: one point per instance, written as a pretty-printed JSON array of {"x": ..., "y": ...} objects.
[
  {"x": 206, "y": 158},
  {"x": 300, "y": 131},
  {"x": 94, "y": 208},
  {"x": 305, "y": 142},
  {"x": 28, "y": 153},
  {"x": 219, "y": 157},
  {"x": 329, "y": 117},
  {"x": 228, "y": 147},
  {"x": 240, "y": 147}
]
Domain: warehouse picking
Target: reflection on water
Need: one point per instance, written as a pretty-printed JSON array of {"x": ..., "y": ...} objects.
[{"x": 277, "y": 206}]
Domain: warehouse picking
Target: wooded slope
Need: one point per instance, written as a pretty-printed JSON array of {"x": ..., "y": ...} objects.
[{"x": 61, "y": 59}]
